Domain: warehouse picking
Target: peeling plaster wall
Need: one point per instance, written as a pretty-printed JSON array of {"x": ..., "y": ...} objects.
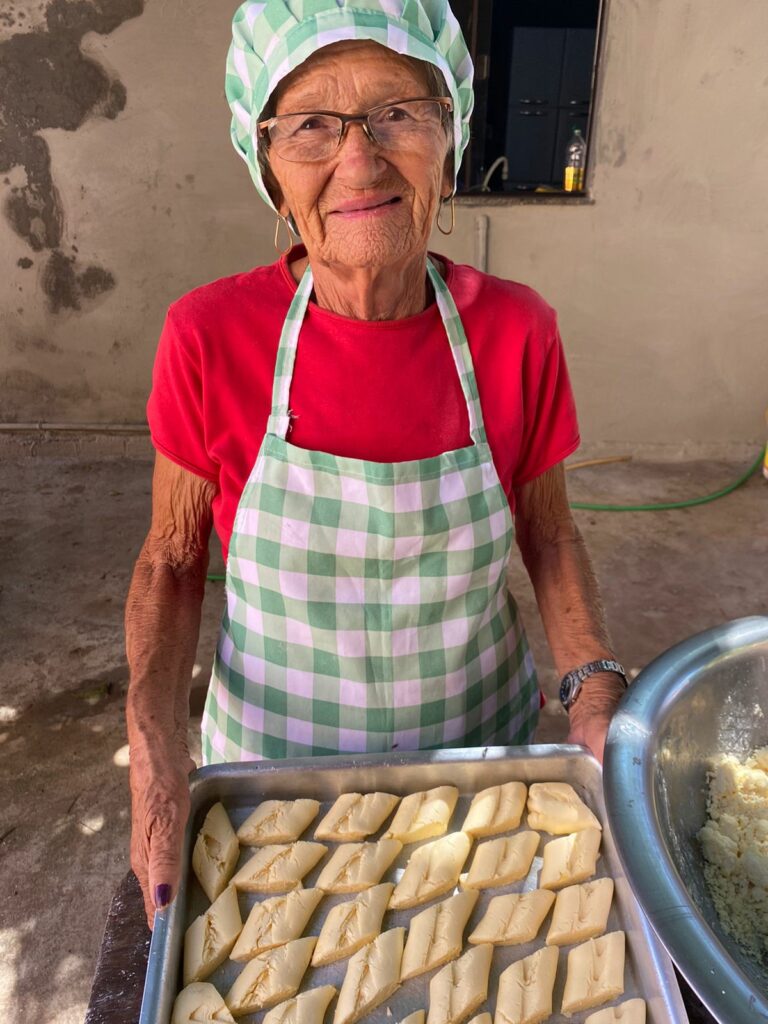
[{"x": 120, "y": 191}]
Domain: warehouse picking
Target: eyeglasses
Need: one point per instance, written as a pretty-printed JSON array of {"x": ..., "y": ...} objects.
[{"x": 316, "y": 135}]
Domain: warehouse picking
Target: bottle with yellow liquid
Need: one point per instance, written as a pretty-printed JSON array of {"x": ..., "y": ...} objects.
[{"x": 575, "y": 162}]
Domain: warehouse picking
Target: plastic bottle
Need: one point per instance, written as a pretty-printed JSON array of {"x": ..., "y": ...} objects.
[{"x": 575, "y": 161}]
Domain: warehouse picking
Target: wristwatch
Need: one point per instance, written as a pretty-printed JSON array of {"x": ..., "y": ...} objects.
[{"x": 571, "y": 684}]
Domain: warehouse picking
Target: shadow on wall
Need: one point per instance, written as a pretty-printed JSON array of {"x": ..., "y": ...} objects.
[{"x": 47, "y": 82}]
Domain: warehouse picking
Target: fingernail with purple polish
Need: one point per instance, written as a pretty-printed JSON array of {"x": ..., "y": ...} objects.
[{"x": 162, "y": 896}]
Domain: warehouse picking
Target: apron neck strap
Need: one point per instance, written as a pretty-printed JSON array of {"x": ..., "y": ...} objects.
[{"x": 280, "y": 420}]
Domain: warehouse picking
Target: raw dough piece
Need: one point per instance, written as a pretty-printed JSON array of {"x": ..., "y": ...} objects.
[
  {"x": 555, "y": 807},
  {"x": 372, "y": 976},
  {"x": 631, "y": 1012},
  {"x": 200, "y": 1003},
  {"x": 501, "y": 861},
  {"x": 417, "y": 1017},
  {"x": 357, "y": 866},
  {"x": 278, "y": 868},
  {"x": 495, "y": 810},
  {"x": 277, "y": 821},
  {"x": 436, "y": 935},
  {"x": 352, "y": 925},
  {"x": 460, "y": 987},
  {"x": 215, "y": 853},
  {"x": 514, "y": 919},
  {"x": 307, "y": 1008},
  {"x": 570, "y": 859},
  {"x": 423, "y": 815},
  {"x": 210, "y": 937},
  {"x": 270, "y": 978},
  {"x": 482, "y": 1018},
  {"x": 595, "y": 973},
  {"x": 275, "y": 921},
  {"x": 355, "y": 816},
  {"x": 431, "y": 870},
  {"x": 581, "y": 912},
  {"x": 525, "y": 988}
]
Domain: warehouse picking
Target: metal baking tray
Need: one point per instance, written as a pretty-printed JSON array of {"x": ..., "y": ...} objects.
[{"x": 240, "y": 787}]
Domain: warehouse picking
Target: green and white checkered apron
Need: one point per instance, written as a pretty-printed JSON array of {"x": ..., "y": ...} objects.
[{"x": 367, "y": 603}]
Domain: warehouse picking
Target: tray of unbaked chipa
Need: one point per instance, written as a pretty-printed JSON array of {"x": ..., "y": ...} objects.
[{"x": 477, "y": 886}]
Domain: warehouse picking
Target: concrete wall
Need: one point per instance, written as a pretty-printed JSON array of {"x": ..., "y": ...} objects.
[{"x": 120, "y": 191}]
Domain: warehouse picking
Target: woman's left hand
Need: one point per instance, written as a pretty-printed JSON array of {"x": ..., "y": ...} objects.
[{"x": 591, "y": 715}]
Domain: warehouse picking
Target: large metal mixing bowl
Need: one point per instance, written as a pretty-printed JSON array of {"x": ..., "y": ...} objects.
[{"x": 705, "y": 697}]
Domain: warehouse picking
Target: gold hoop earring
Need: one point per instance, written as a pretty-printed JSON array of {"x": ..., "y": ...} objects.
[
  {"x": 444, "y": 203},
  {"x": 283, "y": 221}
]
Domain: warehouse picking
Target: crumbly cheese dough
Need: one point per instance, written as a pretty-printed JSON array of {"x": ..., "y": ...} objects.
[
  {"x": 432, "y": 869},
  {"x": 307, "y": 1008},
  {"x": 570, "y": 859},
  {"x": 734, "y": 841},
  {"x": 356, "y": 866},
  {"x": 423, "y": 815},
  {"x": 356, "y": 816},
  {"x": 277, "y": 821},
  {"x": 482, "y": 1018},
  {"x": 495, "y": 810},
  {"x": 595, "y": 973},
  {"x": 270, "y": 978},
  {"x": 514, "y": 919},
  {"x": 525, "y": 988},
  {"x": 200, "y": 1003},
  {"x": 436, "y": 935},
  {"x": 216, "y": 851},
  {"x": 352, "y": 925},
  {"x": 278, "y": 868},
  {"x": 460, "y": 987},
  {"x": 631, "y": 1012},
  {"x": 275, "y": 921},
  {"x": 581, "y": 912},
  {"x": 372, "y": 976},
  {"x": 210, "y": 937},
  {"x": 555, "y": 807},
  {"x": 501, "y": 861}
]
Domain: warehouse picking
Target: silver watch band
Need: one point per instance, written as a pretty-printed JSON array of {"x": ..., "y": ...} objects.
[{"x": 571, "y": 683}]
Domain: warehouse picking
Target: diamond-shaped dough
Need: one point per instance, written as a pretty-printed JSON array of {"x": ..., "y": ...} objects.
[
  {"x": 200, "y": 1003},
  {"x": 436, "y": 935},
  {"x": 460, "y": 987},
  {"x": 356, "y": 866},
  {"x": 278, "y": 868},
  {"x": 432, "y": 869},
  {"x": 514, "y": 919},
  {"x": 570, "y": 859},
  {"x": 423, "y": 815},
  {"x": 215, "y": 853},
  {"x": 277, "y": 821},
  {"x": 525, "y": 988},
  {"x": 501, "y": 861},
  {"x": 307, "y": 1008},
  {"x": 350, "y": 926},
  {"x": 495, "y": 810},
  {"x": 372, "y": 976},
  {"x": 355, "y": 816},
  {"x": 555, "y": 807},
  {"x": 270, "y": 978},
  {"x": 275, "y": 921},
  {"x": 581, "y": 912},
  {"x": 210, "y": 937},
  {"x": 631, "y": 1012},
  {"x": 595, "y": 973}
]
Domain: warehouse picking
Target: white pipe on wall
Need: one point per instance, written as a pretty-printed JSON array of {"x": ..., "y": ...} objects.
[{"x": 481, "y": 242}]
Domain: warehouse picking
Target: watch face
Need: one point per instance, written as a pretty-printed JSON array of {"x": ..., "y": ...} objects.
[{"x": 566, "y": 688}]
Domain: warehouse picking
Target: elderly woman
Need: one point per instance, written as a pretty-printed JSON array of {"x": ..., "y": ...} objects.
[{"x": 360, "y": 421}]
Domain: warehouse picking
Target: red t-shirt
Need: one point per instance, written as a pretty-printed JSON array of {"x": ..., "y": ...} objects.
[{"x": 385, "y": 391}]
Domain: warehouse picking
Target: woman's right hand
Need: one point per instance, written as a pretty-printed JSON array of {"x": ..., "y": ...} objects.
[{"x": 159, "y": 811}]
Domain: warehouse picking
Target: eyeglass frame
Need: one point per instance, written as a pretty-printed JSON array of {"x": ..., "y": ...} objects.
[{"x": 262, "y": 127}]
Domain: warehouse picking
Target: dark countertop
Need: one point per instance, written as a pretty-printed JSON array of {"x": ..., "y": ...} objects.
[{"x": 122, "y": 964}]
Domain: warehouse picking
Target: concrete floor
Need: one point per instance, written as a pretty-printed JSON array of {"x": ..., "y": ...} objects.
[{"x": 70, "y": 528}]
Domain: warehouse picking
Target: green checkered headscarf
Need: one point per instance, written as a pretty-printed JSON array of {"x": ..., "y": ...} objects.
[{"x": 272, "y": 37}]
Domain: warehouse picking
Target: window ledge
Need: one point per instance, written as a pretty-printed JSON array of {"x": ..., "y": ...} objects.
[{"x": 524, "y": 198}]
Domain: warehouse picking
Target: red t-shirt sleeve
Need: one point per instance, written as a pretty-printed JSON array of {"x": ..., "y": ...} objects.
[
  {"x": 550, "y": 427},
  {"x": 175, "y": 409}
]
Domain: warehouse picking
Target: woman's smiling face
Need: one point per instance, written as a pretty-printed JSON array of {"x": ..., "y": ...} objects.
[{"x": 365, "y": 206}]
